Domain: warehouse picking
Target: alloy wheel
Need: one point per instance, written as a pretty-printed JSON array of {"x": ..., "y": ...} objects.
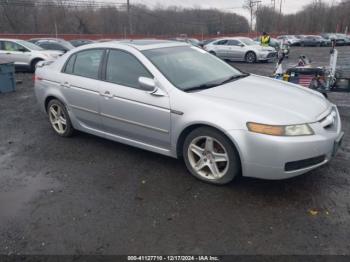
[
  {"x": 58, "y": 118},
  {"x": 251, "y": 57},
  {"x": 208, "y": 157}
]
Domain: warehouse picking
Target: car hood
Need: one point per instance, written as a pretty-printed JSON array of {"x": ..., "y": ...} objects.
[{"x": 269, "y": 100}]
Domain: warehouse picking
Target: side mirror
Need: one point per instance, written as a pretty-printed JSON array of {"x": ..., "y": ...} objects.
[
  {"x": 147, "y": 84},
  {"x": 22, "y": 49},
  {"x": 241, "y": 45}
]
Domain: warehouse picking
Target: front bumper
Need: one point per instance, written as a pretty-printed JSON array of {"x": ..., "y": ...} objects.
[
  {"x": 263, "y": 56},
  {"x": 272, "y": 157}
]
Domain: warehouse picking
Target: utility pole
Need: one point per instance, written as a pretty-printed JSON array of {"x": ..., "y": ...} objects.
[
  {"x": 280, "y": 16},
  {"x": 281, "y": 2},
  {"x": 250, "y": 4},
  {"x": 129, "y": 17}
]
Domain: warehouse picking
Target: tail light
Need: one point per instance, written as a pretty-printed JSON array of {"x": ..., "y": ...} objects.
[{"x": 36, "y": 78}]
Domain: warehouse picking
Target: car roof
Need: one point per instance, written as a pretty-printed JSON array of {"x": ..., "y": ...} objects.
[
  {"x": 11, "y": 39},
  {"x": 140, "y": 45}
]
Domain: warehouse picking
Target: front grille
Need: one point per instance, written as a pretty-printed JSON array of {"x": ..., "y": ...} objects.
[
  {"x": 293, "y": 166},
  {"x": 271, "y": 55}
]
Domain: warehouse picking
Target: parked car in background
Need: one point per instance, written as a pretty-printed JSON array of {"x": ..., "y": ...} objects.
[
  {"x": 81, "y": 42},
  {"x": 292, "y": 39},
  {"x": 311, "y": 40},
  {"x": 206, "y": 41},
  {"x": 344, "y": 37},
  {"x": 34, "y": 40},
  {"x": 25, "y": 55},
  {"x": 300, "y": 37},
  {"x": 177, "y": 100},
  {"x": 324, "y": 41},
  {"x": 340, "y": 41},
  {"x": 60, "y": 45},
  {"x": 192, "y": 41},
  {"x": 240, "y": 49}
]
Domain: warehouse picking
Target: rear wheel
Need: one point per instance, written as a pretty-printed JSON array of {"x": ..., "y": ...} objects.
[
  {"x": 250, "y": 57},
  {"x": 59, "y": 118},
  {"x": 210, "y": 156}
]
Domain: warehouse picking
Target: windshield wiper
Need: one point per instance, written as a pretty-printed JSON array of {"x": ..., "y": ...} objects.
[
  {"x": 211, "y": 85},
  {"x": 201, "y": 87},
  {"x": 233, "y": 78}
]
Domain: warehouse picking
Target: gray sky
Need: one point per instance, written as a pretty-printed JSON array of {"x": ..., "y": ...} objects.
[{"x": 289, "y": 6}]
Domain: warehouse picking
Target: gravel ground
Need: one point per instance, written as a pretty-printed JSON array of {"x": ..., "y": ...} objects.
[{"x": 87, "y": 195}]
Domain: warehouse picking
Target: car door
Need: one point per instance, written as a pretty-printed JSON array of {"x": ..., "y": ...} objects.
[
  {"x": 235, "y": 50},
  {"x": 2, "y": 52},
  {"x": 14, "y": 52},
  {"x": 128, "y": 111},
  {"x": 220, "y": 48},
  {"x": 80, "y": 85}
]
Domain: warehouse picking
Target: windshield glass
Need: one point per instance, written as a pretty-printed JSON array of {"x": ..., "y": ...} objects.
[
  {"x": 247, "y": 41},
  {"x": 188, "y": 67},
  {"x": 66, "y": 44},
  {"x": 29, "y": 45}
]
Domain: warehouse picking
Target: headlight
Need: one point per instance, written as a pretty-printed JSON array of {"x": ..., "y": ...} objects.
[{"x": 292, "y": 130}]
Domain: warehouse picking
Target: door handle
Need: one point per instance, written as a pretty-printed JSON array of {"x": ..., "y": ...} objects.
[
  {"x": 8, "y": 53},
  {"x": 107, "y": 94},
  {"x": 66, "y": 85}
]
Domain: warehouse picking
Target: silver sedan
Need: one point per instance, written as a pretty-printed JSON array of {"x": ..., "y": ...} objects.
[
  {"x": 240, "y": 49},
  {"x": 180, "y": 101}
]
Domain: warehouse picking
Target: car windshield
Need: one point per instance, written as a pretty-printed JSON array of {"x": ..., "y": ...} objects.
[
  {"x": 190, "y": 68},
  {"x": 247, "y": 41},
  {"x": 67, "y": 45},
  {"x": 30, "y": 45}
]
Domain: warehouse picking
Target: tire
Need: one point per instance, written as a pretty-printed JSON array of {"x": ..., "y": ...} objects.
[
  {"x": 59, "y": 120},
  {"x": 250, "y": 57},
  {"x": 211, "y": 157},
  {"x": 33, "y": 64}
]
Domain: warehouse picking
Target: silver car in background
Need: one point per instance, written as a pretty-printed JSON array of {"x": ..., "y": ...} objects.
[
  {"x": 25, "y": 55},
  {"x": 240, "y": 49},
  {"x": 178, "y": 100},
  {"x": 291, "y": 39}
]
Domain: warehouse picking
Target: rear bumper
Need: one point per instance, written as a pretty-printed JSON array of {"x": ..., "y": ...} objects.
[{"x": 271, "y": 157}]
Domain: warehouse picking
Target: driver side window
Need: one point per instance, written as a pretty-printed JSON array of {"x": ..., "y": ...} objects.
[
  {"x": 125, "y": 69},
  {"x": 221, "y": 42},
  {"x": 233, "y": 43},
  {"x": 12, "y": 46}
]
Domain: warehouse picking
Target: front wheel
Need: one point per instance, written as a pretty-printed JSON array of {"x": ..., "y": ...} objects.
[
  {"x": 210, "y": 156},
  {"x": 250, "y": 57},
  {"x": 59, "y": 118}
]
